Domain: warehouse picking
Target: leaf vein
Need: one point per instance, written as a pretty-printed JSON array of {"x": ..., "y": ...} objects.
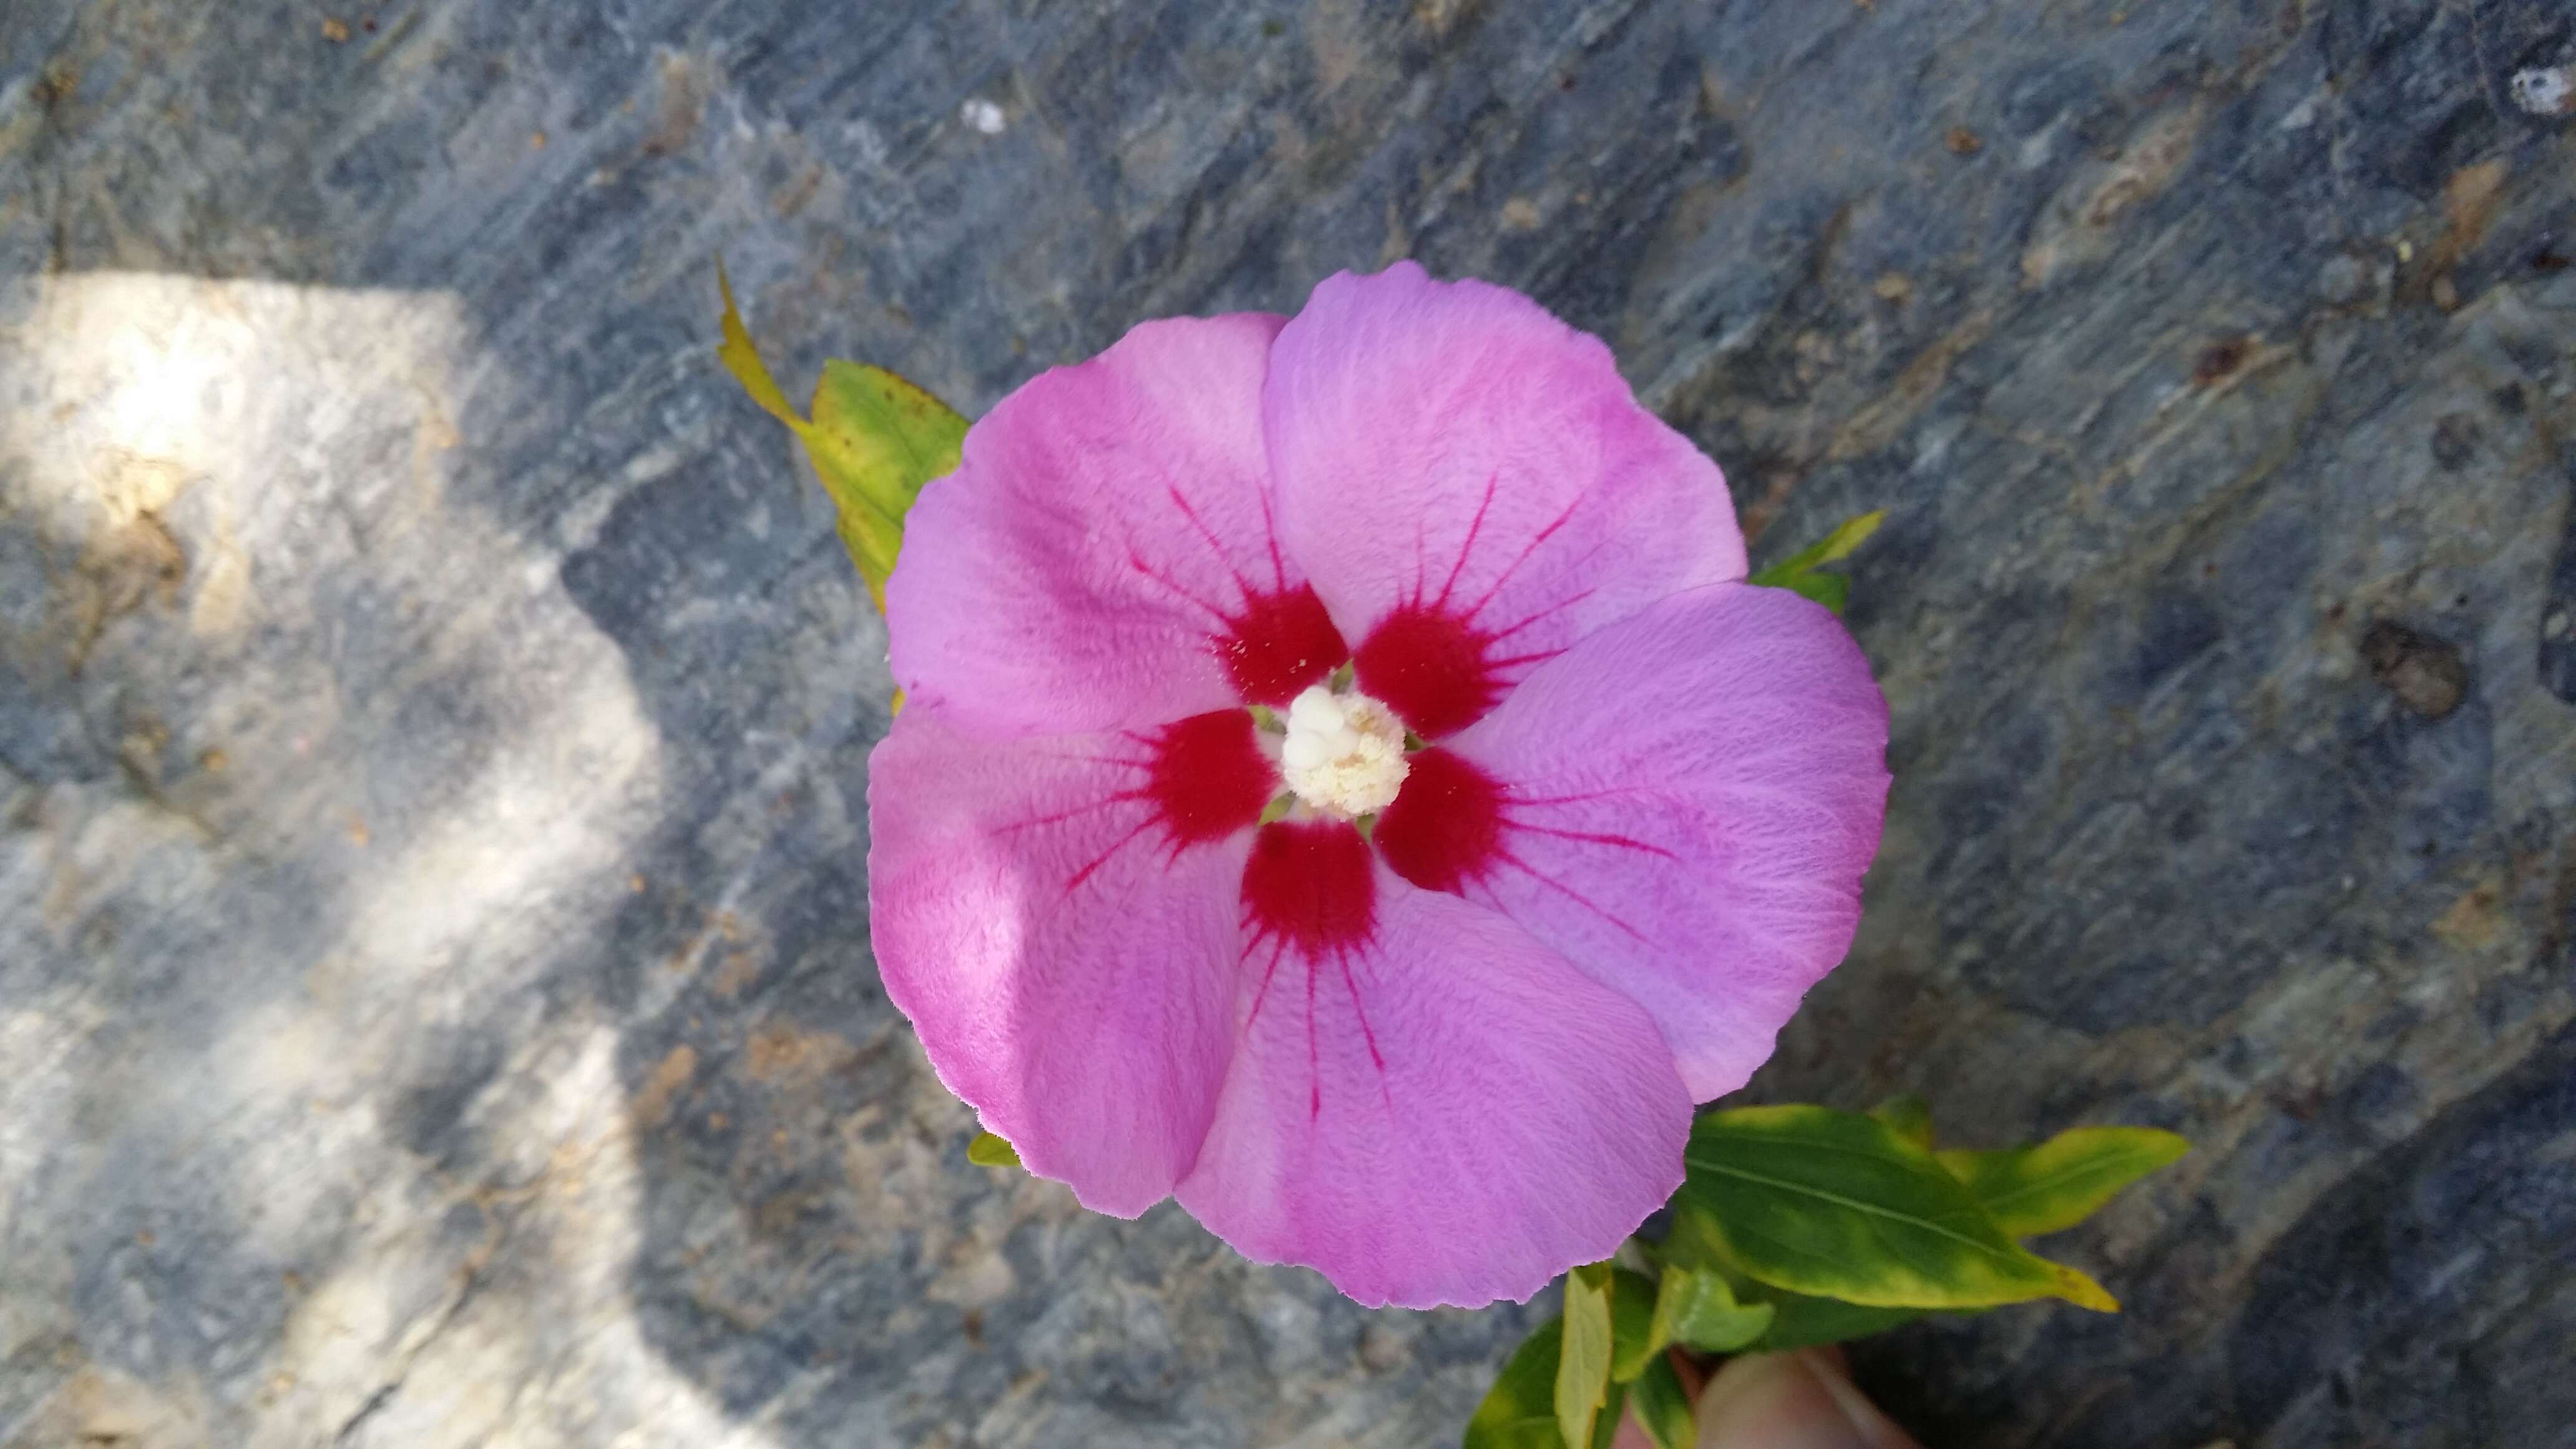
[{"x": 1929, "y": 1225}]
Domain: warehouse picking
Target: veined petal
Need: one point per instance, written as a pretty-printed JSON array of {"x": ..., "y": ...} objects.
[
  {"x": 1425, "y": 1104},
  {"x": 1103, "y": 557},
  {"x": 1472, "y": 487},
  {"x": 1057, "y": 917},
  {"x": 1686, "y": 803}
]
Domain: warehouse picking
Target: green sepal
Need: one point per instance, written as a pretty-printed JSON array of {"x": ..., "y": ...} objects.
[
  {"x": 1697, "y": 1308},
  {"x": 988, "y": 1150},
  {"x": 2056, "y": 1184},
  {"x": 1839, "y": 1205},
  {"x": 1583, "y": 1361},
  {"x": 1519, "y": 1411},
  {"x": 874, "y": 439},
  {"x": 1659, "y": 1405}
]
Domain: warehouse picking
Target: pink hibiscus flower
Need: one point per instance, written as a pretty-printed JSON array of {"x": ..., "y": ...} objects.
[{"x": 1573, "y": 815}]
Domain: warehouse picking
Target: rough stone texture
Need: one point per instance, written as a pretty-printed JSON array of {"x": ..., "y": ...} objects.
[{"x": 434, "y": 1006}]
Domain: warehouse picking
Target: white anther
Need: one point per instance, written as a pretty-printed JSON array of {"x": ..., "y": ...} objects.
[{"x": 1344, "y": 754}]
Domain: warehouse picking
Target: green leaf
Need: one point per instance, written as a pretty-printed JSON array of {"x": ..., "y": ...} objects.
[
  {"x": 1799, "y": 1321},
  {"x": 873, "y": 437},
  {"x": 1692, "y": 1241},
  {"x": 1605, "y": 1425},
  {"x": 1660, "y": 1406},
  {"x": 1838, "y": 1205},
  {"x": 1519, "y": 1411},
  {"x": 1909, "y": 1116},
  {"x": 1583, "y": 1364},
  {"x": 1836, "y": 546},
  {"x": 2061, "y": 1182},
  {"x": 1697, "y": 1307},
  {"x": 1632, "y": 1321},
  {"x": 1831, "y": 590},
  {"x": 1790, "y": 1320},
  {"x": 1798, "y": 572},
  {"x": 988, "y": 1150}
]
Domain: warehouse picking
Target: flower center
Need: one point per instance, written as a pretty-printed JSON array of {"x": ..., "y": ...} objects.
[{"x": 1344, "y": 754}]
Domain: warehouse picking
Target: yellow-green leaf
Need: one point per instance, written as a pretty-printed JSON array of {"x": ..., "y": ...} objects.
[
  {"x": 743, "y": 361},
  {"x": 988, "y": 1150},
  {"x": 1661, "y": 1408},
  {"x": 1697, "y": 1307},
  {"x": 1632, "y": 1322},
  {"x": 874, "y": 439},
  {"x": 1839, "y": 1205},
  {"x": 1583, "y": 1363},
  {"x": 2061, "y": 1182},
  {"x": 1909, "y": 1116},
  {"x": 878, "y": 437},
  {"x": 1799, "y": 572},
  {"x": 1519, "y": 1411},
  {"x": 1836, "y": 546},
  {"x": 1847, "y": 536}
]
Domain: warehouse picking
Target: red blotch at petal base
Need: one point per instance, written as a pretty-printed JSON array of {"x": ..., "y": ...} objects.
[
  {"x": 1278, "y": 645},
  {"x": 1445, "y": 830}
]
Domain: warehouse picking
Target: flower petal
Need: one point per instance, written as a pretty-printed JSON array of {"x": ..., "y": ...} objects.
[
  {"x": 1057, "y": 917},
  {"x": 1434, "y": 1109},
  {"x": 1472, "y": 486},
  {"x": 1689, "y": 800},
  {"x": 1102, "y": 558}
]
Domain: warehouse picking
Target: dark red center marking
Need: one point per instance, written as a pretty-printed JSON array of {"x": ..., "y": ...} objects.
[
  {"x": 1278, "y": 644},
  {"x": 1309, "y": 886},
  {"x": 1445, "y": 829},
  {"x": 1208, "y": 778},
  {"x": 1430, "y": 668}
]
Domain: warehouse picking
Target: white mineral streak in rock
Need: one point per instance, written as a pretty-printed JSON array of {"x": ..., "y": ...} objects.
[{"x": 425, "y": 1302}]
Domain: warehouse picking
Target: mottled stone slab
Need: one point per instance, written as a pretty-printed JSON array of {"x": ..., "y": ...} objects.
[{"x": 434, "y": 1000}]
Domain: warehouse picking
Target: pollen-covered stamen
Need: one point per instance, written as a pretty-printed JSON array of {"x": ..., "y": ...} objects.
[{"x": 1344, "y": 753}]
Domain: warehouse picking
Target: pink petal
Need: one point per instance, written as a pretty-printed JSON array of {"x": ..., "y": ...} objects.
[
  {"x": 1426, "y": 1105},
  {"x": 1688, "y": 801},
  {"x": 1057, "y": 917},
  {"x": 1472, "y": 486},
  {"x": 1103, "y": 557}
]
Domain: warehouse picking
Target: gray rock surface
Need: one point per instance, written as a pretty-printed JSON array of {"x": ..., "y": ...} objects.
[{"x": 434, "y": 1003}]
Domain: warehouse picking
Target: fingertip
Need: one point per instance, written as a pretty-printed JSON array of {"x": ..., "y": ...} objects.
[
  {"x": 1877, "y": 1430},
  {"x": 1798, "y": 1400}
]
